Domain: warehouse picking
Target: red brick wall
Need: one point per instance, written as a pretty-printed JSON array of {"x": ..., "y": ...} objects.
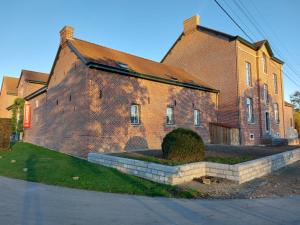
[
  {"x": 88, "y": 122},
  {"x": 213, "y": 59},
  {"x": 110, "y": 128}
]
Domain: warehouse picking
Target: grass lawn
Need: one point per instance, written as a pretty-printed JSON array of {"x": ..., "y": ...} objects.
[
  {"x": 51, "y": 167},
  {"x": 231, "y": 160}
]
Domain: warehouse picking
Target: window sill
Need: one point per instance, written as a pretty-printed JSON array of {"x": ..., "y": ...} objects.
[
  {"x": 169, "y": 125},
  {"x": 136, "y": 125},
  {"x": 250, "y": 123},
  {"x": 198, "y": 126}
]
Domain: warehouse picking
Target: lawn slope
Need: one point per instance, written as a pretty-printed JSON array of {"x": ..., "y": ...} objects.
[{"x": 51, "y": 167}]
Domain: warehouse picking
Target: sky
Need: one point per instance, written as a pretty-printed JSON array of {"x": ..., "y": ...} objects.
[{"x": 29, "y": 29}]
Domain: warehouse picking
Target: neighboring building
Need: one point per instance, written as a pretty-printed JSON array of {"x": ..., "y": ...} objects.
[
  {"x": 8, "y": 94},
  {"x": 31, "y": 81},
  {"x": 100, "y": 99},
  {"x": 290, "y": 132},
  {"x": 248, "y": 76}
]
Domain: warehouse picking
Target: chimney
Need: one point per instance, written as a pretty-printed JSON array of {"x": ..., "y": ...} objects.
[
  {"x": 66, "y": 34},
  {"x": 191, "y": 24}
]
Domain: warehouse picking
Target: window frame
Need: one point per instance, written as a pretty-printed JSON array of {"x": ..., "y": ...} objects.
[
  {"x": 275, "y": 83},
  {"x": 264, "y": 62},
  {"x": 197, "y": 120},
  {"x": 276, "y": 113},
  {"x": 172, "y": 122},
  {"x": 138, "y": 114},
  {"x": 266, "y": 93},
  {"x": 251, "y": 120},
  {"x": 248, "y": 72}
]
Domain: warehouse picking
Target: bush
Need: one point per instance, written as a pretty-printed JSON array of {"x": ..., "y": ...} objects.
[{"x": 183, "y": 145}]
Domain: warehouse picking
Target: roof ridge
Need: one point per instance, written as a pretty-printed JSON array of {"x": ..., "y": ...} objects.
[{"x": 151, "y": 60}]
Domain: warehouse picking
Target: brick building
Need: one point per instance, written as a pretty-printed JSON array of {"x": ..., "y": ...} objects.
[
  {"x": 31, "y": 81},
  {"x": 102, "y": 99},
  {"x": 8, "y": 94},
  {"x": 248, "y": 76}
]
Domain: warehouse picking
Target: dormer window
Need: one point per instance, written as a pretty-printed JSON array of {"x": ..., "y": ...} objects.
[
  {"x": 264, "y": 62},
  {"x": 123, "y": 66}
]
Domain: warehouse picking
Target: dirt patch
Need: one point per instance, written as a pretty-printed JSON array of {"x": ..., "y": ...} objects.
[{"x": 281, "y": 183}]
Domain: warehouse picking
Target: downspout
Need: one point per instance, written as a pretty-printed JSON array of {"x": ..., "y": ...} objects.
[
  {"x": 237, "y": 90},
  {"x": 282, "y": 99},
  {"x": 259, "y": 98}
]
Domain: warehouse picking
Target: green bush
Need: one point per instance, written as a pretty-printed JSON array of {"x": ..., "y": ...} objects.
[{"x": 183, "y": 145}]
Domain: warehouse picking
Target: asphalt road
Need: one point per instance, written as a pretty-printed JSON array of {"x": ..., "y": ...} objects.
[{"x": 27, "y": 203}]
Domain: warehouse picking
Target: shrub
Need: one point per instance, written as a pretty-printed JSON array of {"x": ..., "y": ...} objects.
[{"x": 183, "y": 145}]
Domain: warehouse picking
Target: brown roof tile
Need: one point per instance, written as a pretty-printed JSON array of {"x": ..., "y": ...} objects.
[
  {"x": 112, "y": 58},
  {"x": 34, "y": 76}
]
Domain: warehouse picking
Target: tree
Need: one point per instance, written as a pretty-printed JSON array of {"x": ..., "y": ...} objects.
[
  {"x": 297, "y": 121},
  {"x": 295, "y": 100},
  {"x": 18, "y": 115}
]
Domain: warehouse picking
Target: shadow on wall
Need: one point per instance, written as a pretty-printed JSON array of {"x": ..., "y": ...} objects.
[
  {"x": 185, "y": 101},
  {"x": 259, "y": 126}
]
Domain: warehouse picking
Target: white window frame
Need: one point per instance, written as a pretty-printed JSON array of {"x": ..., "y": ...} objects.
[
  {"x": 249, "y": 107},
  {"x": 170, "y": 116},
  {"x": 264, "y": 62},
  {"x": 197, "y": 120},
  {"x": 135, "y": 114},
  {"x": 266, "y": 93},
  {"x": 248, "y": 74},
  {"x": 275, "y": 83},
  {"x": 276, "y": 113}
]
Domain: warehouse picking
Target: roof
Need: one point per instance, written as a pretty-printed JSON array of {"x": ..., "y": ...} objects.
[
  {"x": 34, "y": 77},
  {"x": 11, "y": 85},
  {"x": 288, "y": 104},
  {"x": 255, "y": 46},
  {"x": 100, "y": 57}
]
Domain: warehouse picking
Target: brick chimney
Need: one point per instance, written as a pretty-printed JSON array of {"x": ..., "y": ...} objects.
[
  {"x": 66, "y": 34},
  {"x": 191, "y": 24}
]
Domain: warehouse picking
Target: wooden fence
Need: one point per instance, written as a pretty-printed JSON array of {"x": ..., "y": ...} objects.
[{"x": 220, "y": 134}]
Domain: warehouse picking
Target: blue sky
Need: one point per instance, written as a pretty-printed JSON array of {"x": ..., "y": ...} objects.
[{"x": 29, "y": 34}]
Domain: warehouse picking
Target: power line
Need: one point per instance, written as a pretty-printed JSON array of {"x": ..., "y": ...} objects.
[{"x": 232, "y": 19}]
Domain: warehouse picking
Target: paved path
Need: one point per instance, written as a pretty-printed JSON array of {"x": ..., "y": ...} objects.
[{"x": 27, "y": 203}]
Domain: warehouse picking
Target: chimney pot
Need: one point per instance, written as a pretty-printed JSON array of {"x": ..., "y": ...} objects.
[
  {"x": 191, "y": 24},
  {"x": 66, "y": 33}
]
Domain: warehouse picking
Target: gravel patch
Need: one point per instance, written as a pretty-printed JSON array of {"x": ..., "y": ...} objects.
[{"x": 284, "y": 182}]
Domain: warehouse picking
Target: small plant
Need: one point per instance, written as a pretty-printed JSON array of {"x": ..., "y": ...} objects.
[{"x": 183, "y": 145}]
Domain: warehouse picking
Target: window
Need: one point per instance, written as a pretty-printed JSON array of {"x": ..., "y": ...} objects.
[
  {"x": 275, "y": 83},
  {"x": 250, "y": 117},
  {"x": 70, "y": 97},
  {"x": 267, "y": 121},
  {"x": 196, "y": 117},
  {"x": 248, "y": 74},
  {"x": 135, "y": 114},
  {"x": 265, "y": 93},
  {"x": 276, "y": 113},
  {"x": 264, "y": 62},
  {"x": 170, "y": 116}
]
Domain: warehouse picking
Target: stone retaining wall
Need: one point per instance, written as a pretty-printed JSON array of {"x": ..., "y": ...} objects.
[{"x": 240, "y": 173}]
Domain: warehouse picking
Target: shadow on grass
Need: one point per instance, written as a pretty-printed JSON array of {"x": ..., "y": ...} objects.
[{"x": 32, "y": 211}]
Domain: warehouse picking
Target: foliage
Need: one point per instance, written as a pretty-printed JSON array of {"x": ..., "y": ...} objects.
[
  {"x": 297, "y": 121},
  {"x": 295, "y": 100},
  {"x": 18, "y": 115},
  {"x": 55, "y": 168},
  {"x": 183, "y": 145}
]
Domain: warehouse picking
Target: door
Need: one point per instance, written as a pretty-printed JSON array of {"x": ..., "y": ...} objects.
[{"x": 267, "y": 122}]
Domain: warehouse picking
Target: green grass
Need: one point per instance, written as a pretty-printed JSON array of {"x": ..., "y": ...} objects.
[
  {"x": 225, "y": 160},
  {"x": 51, "y": 167}
]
